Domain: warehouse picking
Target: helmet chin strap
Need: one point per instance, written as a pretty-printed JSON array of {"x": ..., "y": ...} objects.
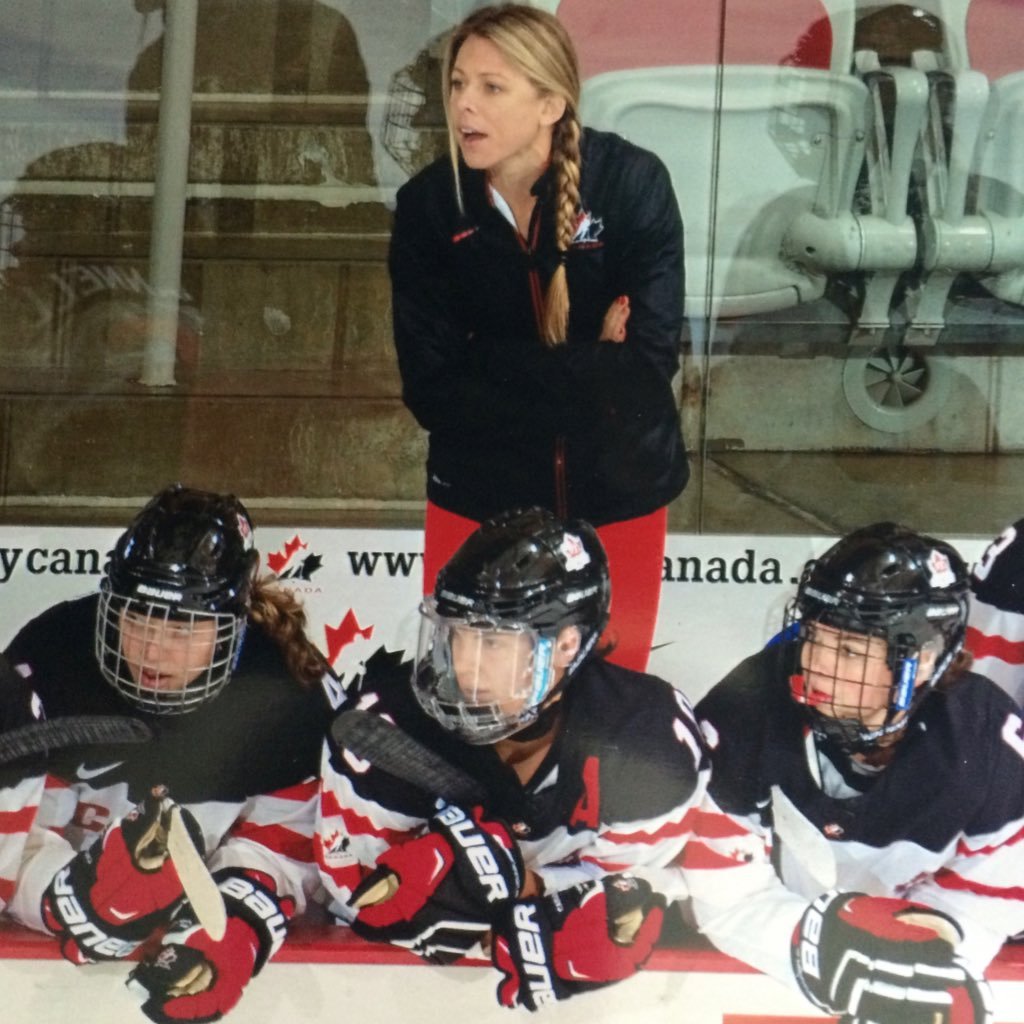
[{"x": 543, "y": 723}]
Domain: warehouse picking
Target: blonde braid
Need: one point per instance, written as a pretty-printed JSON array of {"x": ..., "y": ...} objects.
[
  {"x": 565, "y": 155},
  {"x": 283, "y": 618}
]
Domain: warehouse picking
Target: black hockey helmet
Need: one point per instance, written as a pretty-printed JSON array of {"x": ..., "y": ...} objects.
[
  {"x": 885, "y": 581},
  {"x": 524, "y": 573},
  {"x": 528, "y": 566},
  {"x": 192, "y": 549},
  {"x": 186, "y": 562}
]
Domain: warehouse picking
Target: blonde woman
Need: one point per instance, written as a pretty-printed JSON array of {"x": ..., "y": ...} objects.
[{"x": 537, "y": 278}]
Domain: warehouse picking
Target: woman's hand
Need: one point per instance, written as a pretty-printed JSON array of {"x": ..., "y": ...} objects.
[{"x": 614, "y": 326}]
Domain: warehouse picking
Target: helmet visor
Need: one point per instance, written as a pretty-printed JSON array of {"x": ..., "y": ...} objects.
[{"x": 481, "y": 678}]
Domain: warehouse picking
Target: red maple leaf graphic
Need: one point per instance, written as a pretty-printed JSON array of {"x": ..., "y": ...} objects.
[
  {"x": 279, "y": 559},
  {"x": 343, "y": 634}
]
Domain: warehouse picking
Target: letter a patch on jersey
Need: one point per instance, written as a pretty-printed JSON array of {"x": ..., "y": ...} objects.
[{"x": 586, "y": 812}]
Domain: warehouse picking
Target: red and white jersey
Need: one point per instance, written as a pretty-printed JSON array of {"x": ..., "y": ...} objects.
[
  {"x": 942, "y": 823},
  {"x": 244, "y": 763},
  {"x": 619, "y": 790},
  {"x": 19, "y": 803},
  {"x": 22, "y": 783},
  {"x": 995, "y": 625}
]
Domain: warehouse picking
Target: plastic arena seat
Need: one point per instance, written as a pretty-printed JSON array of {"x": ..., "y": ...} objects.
[
  {"x": 752, "y": 122},
  {"x": 748, "y": 149},
  {"x": 993, "y": 245}
]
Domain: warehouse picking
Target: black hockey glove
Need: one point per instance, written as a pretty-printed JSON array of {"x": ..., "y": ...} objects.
[
  {"x": 888, "y": 961},
  {"x": 438, "y": 894},
  {"x": 586, "y": 937},
  {"x": 195, "y": 978},
  {"x": 110, "y": 897}
]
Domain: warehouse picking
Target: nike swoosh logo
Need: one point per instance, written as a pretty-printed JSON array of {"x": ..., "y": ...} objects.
[
  {"x": 92, "y": 773},
  {"x": 121, "y": 917}
]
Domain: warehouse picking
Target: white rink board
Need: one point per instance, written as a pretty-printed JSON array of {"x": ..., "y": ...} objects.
[
  {"x": 50, "y": 992},
  {"x": 722, "y": 596}
]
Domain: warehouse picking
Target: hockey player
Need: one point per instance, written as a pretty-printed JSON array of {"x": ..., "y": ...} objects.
[
  {"x": 594, "y": 813},
  {"x": 590, "y": 770},
  {"x": 995, "y": 624},
  {"x": 185, "y": 638},
  {"x": 862, "y": 744},
  {"x": 22, "y": 779}
]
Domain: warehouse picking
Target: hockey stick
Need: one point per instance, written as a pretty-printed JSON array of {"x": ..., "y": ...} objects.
[
  {"x": 372, "y": 738},
  {"x": 70, "y": 731},
  {"x": 200, "y": 888}
]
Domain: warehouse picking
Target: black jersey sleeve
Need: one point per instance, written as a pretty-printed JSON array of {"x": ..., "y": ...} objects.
[
  {"x": 997, "y": 578},
  {"x": 737, "y": 717}
]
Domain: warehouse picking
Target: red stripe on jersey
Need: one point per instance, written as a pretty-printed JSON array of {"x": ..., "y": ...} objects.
[
  {"x": 329, "y": 803},
  {"x": 716, "y": 826},
  {"x": 951, "y": 880},
  {"x": 278, "y": 839},
  {"x": 13, "y": 822},
  {"x": 357, "y": 824},
  {"x": 983, "y": 646},
  {"x": 6, "y": 890},
  {"x": 964, "y": 850},
  {"x": 52, "y": 782},
  {"x": 699, "y": 857},
  {"x": 607, "y": 865},
  {"x": 670, "y": 830},
  {"x": 299, "y": 793}
]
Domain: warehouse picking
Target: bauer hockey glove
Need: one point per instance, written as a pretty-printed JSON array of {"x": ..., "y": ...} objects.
[
  {"x": 193, "y": 977},
  {"x": 888, "y": 961},
  {"x": 573, "y": 941},
  {"x": 438, "y": 894},
  {"x": 110, "y": 897}
]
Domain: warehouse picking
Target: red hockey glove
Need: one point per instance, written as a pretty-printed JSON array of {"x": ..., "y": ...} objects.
[
  {"x": 111, "y": 897},
  {"x": 194, "y": 978},
  {"x": 885, "y": 960},
  {"x": 574, "y": 941},
  {"x": 439, "y": 893}
]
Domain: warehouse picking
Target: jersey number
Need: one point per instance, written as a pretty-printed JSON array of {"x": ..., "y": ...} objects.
[
  {"x": 586, "y": 813},
  {"x": 992, "y": 552},
  {"x": 1013, "y": 732}
]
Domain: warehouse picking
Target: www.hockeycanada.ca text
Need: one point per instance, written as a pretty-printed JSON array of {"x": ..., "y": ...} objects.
[{"x": 748, "y": 567}]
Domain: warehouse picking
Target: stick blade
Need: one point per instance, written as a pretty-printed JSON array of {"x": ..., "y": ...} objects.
[
  {"x": 196, "y": 880},
  {"x": 70, "y": 731},
  {"x": 372, "y": 738}
]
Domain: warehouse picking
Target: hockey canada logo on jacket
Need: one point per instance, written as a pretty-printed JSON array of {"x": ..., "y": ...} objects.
[{"x": 588, "y": 230}]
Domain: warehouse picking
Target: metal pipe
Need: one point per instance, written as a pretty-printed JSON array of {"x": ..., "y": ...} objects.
[{"x": 165, "y": 246}]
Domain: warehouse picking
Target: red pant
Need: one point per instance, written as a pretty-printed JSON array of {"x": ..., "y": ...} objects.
[{"x": 636, "y": 549}]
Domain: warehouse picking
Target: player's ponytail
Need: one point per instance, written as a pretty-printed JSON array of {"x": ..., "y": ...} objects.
[
  {"x": 537, "y": 44},
  {"x": 956, "y": 670},
  {"x": 565, "y": 155},
  {"x": 281, "y": 615}
]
